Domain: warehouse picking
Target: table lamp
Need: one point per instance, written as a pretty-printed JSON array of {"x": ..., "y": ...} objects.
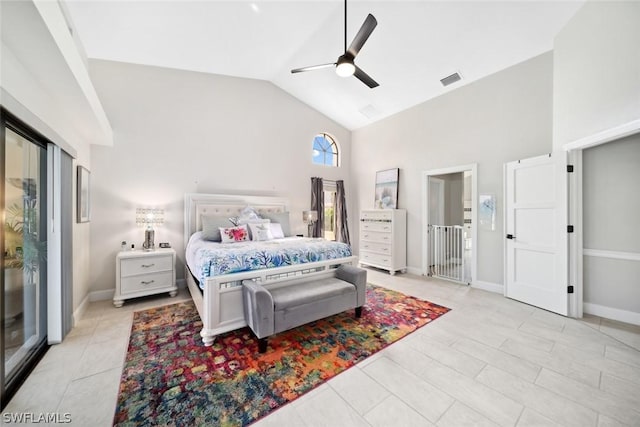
[
  {"x": 309, "y": 218},
  {"x": 149, "y": 218}
]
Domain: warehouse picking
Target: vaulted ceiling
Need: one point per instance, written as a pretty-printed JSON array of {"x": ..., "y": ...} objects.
[{"x": 415, "y": 44}]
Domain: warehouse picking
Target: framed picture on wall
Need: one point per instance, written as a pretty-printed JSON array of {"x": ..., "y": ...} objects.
[
  {"x": 83, "y": 214},
  {"x": 487, "y": 212},
  {"x": 387, "y": 189}
]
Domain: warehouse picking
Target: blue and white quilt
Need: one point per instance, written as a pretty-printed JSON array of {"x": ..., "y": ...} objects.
[{"x": 207, "y": 259}]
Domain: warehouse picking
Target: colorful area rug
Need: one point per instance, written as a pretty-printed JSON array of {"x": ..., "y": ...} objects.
[{"x": 171, "y": 378}]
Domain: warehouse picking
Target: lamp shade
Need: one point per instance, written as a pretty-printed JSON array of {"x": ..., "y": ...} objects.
[
  {"x": 309, "y": 216},
  {"x": 149, "y": 217}
]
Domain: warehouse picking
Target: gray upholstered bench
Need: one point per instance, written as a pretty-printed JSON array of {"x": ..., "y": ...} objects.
[{"x": 284, "y": 305}]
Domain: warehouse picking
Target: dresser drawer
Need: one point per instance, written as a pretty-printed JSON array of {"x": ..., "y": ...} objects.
[
  {"x": 376, "y": 236},
  {"x": 143, "y": 265},
  {"x": 376, "y": 226},
  {"x": 381, "y": 248},
  {"x": 376, "y": 215},
  {"x": 145, "y": 282},
  {"x": 376, "y": 259}
]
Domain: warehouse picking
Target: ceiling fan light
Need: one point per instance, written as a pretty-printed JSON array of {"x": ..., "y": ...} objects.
[{"x": 345, "y": 69}]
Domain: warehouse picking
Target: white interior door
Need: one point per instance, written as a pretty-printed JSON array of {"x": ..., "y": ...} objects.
[{"x": 536, "y": 256}]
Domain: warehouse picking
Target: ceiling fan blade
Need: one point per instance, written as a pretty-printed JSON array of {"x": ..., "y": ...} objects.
[
  {"x": 363, "y": 34},
  {"x": 313, "y": 67},
  {"x": 364, "y": 78}
]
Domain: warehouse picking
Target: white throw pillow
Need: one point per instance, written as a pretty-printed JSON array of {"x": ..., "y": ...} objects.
[
  {"x": 276, "y": 230},
  {"x": 261, "y": 232}
]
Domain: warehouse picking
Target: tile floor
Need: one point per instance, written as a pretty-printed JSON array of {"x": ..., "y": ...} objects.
[{"x": 490, "y": 361}]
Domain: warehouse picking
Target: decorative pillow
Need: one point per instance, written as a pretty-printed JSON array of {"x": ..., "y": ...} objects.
[
  {"x": 281, "y": 218},
  {"x": 253, "y": 221},
  {"x": 234, "y": 234},
  {"x": 211, "y": 226},
  {"x": 247, "y": 214},
  {"x": 276, "y": 230},
  {"x": 261, "y": 232}
]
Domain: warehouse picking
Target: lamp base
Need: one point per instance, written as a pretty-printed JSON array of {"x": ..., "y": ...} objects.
[
  {"x": 148, "y": 244},
  {"x": 310, "y": 229}
]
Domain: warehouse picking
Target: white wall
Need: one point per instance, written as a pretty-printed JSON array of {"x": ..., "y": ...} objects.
[
  {"x": 503, "y": 117},
  {"x": 597, "y": 70},
  {"x": 177, "y": 132},
  {"x": 597, "y": 88},
  {"x": 29, "y": 54},
  {"x": 611, "y": 203}
]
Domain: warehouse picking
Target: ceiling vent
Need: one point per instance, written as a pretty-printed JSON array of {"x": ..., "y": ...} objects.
[
  {"x": 369, "y": 111},
  {"x": 455, "y": 77}
]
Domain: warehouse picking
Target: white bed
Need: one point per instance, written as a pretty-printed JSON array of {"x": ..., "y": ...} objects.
[{"x": 219, "y": 303}]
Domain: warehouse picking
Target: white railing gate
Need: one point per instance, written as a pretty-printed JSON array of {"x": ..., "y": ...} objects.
[{"x": 447, "y": 251}]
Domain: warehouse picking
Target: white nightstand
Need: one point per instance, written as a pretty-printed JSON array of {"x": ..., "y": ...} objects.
[{"x": 142, "y": 273}]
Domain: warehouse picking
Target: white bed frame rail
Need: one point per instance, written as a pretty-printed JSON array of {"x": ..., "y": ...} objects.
[{"x": 220, "y": 303}]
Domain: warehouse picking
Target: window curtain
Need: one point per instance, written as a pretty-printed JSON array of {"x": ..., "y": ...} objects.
[
  {"x": 340, "y": 213},
  {"x": 317, "y": 204}
]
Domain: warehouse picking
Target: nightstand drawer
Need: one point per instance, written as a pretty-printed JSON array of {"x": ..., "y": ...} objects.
[
  {"x": 148, "y": 264},
  {"x": 146, "y": 281}
]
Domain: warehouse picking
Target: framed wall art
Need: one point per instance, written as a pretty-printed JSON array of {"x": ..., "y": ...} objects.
[
  {"x": 487, "y": 212},
  {"x": 387, "y": 189},
  {"x": 83, "y": 196}
]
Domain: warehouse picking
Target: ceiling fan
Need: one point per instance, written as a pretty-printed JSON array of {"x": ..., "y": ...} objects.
[{"x": 344, "y": 65}]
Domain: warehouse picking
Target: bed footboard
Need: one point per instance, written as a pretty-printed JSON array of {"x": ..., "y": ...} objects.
[{"x": 220, "y": 303}]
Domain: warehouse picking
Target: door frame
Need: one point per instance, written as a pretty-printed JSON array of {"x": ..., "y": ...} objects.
[
  {"x": 473, "y": 168},
  {"x": 17, "y": 125},
  {"x": 575, "y": 149}
]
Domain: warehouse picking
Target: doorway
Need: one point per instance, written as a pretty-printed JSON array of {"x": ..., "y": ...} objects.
[
  {"x": 449, "y": 223},
  {"x": 23, "y": 249}
]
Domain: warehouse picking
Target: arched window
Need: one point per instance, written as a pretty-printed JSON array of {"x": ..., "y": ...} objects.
[{"x": 325, "y": 150}]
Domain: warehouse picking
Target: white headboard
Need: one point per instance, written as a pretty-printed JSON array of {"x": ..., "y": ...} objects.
[{"x": 196, "y": 204}]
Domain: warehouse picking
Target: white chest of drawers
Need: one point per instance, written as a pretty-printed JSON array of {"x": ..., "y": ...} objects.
[
  {"x": 141, "y": 273},
  {"x": 383, "y": 239}
]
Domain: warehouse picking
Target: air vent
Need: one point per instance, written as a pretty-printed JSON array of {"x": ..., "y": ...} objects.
[
  {"x": 455, "y": 77},
  {"x": 369, "y": 111}
]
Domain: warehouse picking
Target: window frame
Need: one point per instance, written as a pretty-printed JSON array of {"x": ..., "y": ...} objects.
[{"x": 333, "y": 145}]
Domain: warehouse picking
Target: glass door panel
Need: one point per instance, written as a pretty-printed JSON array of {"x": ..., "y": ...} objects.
[
  {"x": 329, "y": 214},
  {"x": 24, "y": 254}
]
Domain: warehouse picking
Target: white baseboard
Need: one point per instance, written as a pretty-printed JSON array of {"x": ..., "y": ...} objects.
[
  {"x": 488, "y": 286},
  {"x": 101, "y": 295},
  {"x": 108, "y": 293},
  {"x": 414, "y": 270},
  {"x": 79, "y": 312},
  {"x": 612, "y": 313}
]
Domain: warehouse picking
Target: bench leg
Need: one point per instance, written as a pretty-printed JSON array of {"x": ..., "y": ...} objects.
[
  {"x": 262, "y": 345},
  {"x": 358, "y": 312}
]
